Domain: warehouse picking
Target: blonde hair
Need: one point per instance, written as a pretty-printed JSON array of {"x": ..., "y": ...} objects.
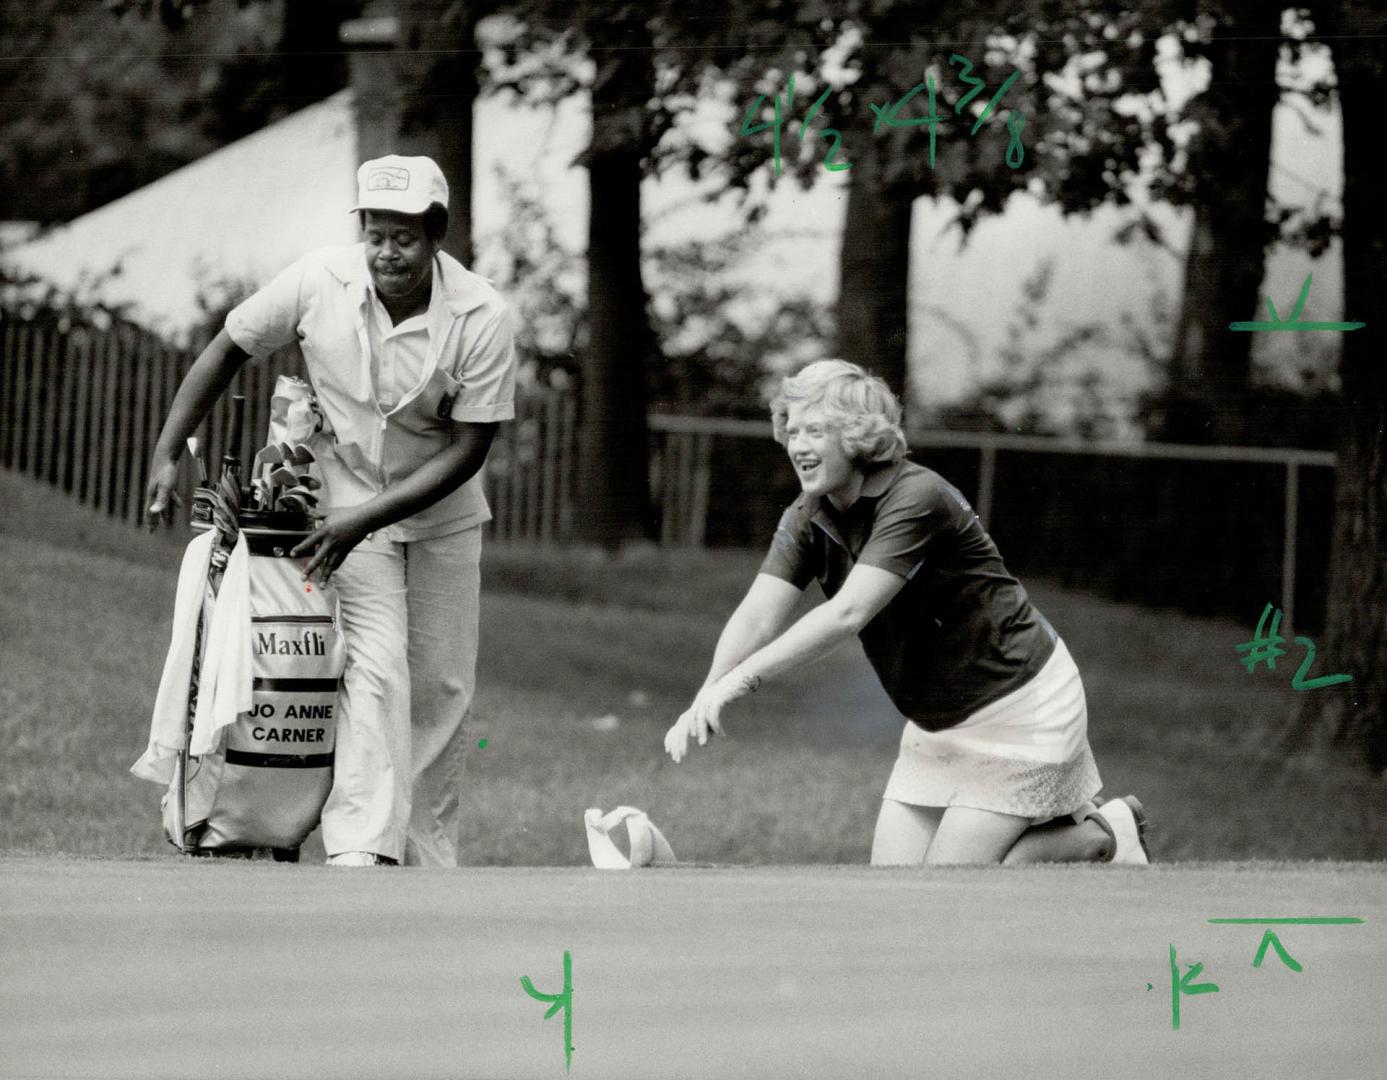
[{"x": 858, "y": 406}]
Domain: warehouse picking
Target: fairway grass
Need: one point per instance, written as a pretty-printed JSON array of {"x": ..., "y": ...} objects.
[
  {"x": 586, "y": 658},
  {"x": 163, "y": 969}
]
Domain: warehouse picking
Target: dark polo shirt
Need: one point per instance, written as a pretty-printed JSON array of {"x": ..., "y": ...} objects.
[{"x": 961, "y": 633}]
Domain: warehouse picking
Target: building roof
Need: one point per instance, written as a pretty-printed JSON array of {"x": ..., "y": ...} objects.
[{"x": 237, "y": 215}]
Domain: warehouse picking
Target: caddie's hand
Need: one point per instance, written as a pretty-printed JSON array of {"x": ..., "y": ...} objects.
[
  {"x": 330, "y": 544},
  {"x": 159, "y": 494}
]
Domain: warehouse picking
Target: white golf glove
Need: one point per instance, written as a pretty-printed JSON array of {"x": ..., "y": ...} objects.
[{"x": 705, "y": 714}]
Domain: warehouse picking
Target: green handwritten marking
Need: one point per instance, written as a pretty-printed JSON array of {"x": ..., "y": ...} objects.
[
  {"x": 1270, "y": 938},
  {"x": 1179, "y": 985},
  {"x": 1300, "y": 682},
  {"x": 813, "y": 111},
  {"x": 982, "y": 119},
  {"x": 1313, "y": 920},
  {"x": 887, "y": 115},
  {"x": 481, "y": 744},
  {"x": 1263, "y": 650},
  {"x": 558, "y": 1001},
  {"x": 972, "y": 80},
  {"x": 1294, "y": 323},
  {"x": 776, "y": 124},
  {"x": 835, "y": 138},
  {"x": 1015, "y": 122}
]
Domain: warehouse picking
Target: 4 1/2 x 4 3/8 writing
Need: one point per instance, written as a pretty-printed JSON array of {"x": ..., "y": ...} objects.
[{"x": 888, "y": 115}]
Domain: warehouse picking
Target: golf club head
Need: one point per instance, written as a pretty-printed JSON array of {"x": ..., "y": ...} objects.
[
  {"x": 270, "y": 455},
  {"x": 284, "y": 477},
  {"x": 307, "y": 480},
  {"x": 303, "y": 493},
  {"x": 292, "y": 503},
  {"x": 303, "y": 455}
]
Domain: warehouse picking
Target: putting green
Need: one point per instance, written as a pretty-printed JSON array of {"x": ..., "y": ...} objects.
[{"x": 170, "y": 968}]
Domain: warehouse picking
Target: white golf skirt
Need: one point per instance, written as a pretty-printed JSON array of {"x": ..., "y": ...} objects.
[{"x": 1025, "y": 754}]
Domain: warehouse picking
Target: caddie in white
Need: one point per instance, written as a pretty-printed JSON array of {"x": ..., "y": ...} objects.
[{"x": 412, "y": 360}]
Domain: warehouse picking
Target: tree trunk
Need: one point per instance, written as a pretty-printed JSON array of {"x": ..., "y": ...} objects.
[
  {"x": 1230, "y": 157},
  {"x": 1353, "y": 716},
  {"x": 888, "y": 174},
  {"x": 378, "y": 94},
  {"x": 438, "y": 118},
  {"x": 874, "y": 270},
  {"x": 405, "y": 106},
  {"x": 613, "y": 451}
]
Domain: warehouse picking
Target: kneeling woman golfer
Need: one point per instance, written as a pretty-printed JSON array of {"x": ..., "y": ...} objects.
[{"x": 997, "y": 735}]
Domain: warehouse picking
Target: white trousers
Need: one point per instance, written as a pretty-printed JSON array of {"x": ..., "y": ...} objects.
[{"x": 409, "y": 617}]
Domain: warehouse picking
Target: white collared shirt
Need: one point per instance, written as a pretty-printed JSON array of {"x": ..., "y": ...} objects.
[
  {"x": 398, "y": 352},
  {"x": 387, "y": 422}
]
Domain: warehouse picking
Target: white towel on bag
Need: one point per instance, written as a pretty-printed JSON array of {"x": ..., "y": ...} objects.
[{"x": 225, "y": 682}]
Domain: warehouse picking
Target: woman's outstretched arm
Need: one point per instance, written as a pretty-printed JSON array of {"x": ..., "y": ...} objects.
[
  {"x": 734, "y": 674},
  {"x": 760, "y": 616}
]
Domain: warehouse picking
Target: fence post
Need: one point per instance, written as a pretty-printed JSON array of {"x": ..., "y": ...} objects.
[
  {"x": 515, "y": 519},
  {"x": 9, "y": 375},
  {"x": 96, "y": 359},
  {"x": 553, "y": 432},
  {"x": 568, "y": 414},
  {"x": 671, "y": 487},
  {"x": 110, "y": 417},
  {"x": 533, "y": 508},
  {"x": 500, "y": 480},
  {"x": 84, "y": 349},
  {"x": 139, "y": 376},
  {"x": 38, "y": 363},
  {"x": 987, "y": 469},
  {"x": 54, "y": 384},
  {"x": 66, "y": 409},
  {"x": 1288, "y": 547},
  {"x": 127, "y": 374},
  {"x": 700, "y": 482}
]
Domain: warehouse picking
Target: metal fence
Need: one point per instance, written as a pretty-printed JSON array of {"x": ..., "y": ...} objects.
[{"x": 80, "y": 408}]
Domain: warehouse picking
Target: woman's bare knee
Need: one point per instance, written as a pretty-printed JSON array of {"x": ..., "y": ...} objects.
[{"x": 903, "y": 833}]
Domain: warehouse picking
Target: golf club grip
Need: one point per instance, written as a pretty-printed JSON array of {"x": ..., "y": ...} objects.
[{"x": 238, "y": 420}]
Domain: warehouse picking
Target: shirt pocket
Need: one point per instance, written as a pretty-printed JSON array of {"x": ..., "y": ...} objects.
[{"x": 433, "y": 408}]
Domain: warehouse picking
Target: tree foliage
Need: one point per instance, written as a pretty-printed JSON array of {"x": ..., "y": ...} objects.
[{"x": 103, "y": 98}]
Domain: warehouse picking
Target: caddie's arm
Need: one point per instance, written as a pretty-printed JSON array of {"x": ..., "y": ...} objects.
[
  {"x": 867, "y": 590},
  {"x": 209, "y": 376},
  {"x": 445, "y": 472}
]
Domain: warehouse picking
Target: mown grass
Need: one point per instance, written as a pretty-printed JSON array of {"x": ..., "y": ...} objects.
[{"x": 573, "y": 636}]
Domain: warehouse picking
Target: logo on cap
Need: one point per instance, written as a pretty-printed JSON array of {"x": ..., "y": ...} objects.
[{"x": 388, "y": 179}]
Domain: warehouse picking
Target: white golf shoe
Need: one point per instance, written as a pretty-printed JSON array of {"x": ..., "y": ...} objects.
[
  {"x": 1127, "y": 819},
  {"x": 359, "y": 858}
]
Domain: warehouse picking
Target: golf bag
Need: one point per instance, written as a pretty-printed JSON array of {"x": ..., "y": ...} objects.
[
  {"x": 244, "y": 723},
  {"x": 265, "y": 779}
]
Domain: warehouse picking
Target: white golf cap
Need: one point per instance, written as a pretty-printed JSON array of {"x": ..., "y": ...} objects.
[{"x": 406, "y": 185}]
